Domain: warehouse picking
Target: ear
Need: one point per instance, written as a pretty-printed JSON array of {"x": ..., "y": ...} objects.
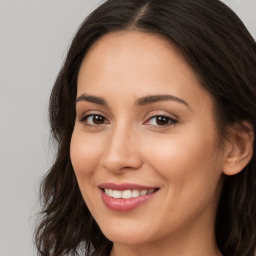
[{"x": 240, "y": 150}]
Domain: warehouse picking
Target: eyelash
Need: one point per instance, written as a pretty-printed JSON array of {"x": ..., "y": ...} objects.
[
  {"x": 85, "y": 118},
  {"x": 171, "y": 121}
]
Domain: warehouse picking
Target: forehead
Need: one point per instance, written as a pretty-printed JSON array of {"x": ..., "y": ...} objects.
[
  {"x": 135, "y": 49},
  {"x": 132, "y": 62}
]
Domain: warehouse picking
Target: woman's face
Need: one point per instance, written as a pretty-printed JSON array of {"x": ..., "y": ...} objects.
[{"x": 145, "y": 148}]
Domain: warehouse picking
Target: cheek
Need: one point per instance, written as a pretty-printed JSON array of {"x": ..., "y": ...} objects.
[
  {"x": 190, "y": 168},
  {"x": 188, "y": 161},
  {"x": 85, "y": 152}
]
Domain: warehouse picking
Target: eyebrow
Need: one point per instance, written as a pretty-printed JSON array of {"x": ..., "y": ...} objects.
[
  {"x": 156, "y": 98},
  {"x": 92, "y": 99},
  {"x": 150, "y": 99}
]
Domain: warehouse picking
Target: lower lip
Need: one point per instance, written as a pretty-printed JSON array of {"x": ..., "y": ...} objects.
[{"x": 122, "y": 205}]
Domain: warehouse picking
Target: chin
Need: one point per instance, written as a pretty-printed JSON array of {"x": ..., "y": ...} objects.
[
  {"x": 126, "y": 237},
  {"x": 129, "y": 233}
]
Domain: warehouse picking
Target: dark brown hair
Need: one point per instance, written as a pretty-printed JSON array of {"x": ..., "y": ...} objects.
[{"x": 222, "y": 54}]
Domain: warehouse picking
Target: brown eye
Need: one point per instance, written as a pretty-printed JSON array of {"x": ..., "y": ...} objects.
[
  {"x": 98, "y": 119},
  {"x": 161, "y": 121},
  {"x": 94, "y": 120}
]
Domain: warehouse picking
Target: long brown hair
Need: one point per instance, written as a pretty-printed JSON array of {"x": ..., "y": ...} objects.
[{"x": 221, "y": 52}]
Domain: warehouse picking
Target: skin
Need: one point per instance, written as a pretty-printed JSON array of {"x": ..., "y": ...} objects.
[{"x": 183, "y": 158}]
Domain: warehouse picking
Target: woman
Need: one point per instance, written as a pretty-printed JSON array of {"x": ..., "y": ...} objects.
[{"x": 154, "y": 116}]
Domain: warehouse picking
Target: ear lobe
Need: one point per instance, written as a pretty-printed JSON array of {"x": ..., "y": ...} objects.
[{"x": 241, "y": 149}]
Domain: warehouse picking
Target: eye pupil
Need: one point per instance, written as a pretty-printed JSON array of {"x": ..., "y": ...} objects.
[
  {"x": 162, "y": 120},
  {"x": 98, "y": 119}
]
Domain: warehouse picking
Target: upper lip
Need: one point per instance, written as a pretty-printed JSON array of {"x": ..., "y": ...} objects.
[{"x": 124, "y": 186}]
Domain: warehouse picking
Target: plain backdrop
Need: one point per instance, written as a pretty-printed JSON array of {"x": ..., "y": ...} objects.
[{"x": 34, "y": 38}]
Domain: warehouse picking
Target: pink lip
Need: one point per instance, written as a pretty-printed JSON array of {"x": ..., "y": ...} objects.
[{"x": 118, "y": 204}]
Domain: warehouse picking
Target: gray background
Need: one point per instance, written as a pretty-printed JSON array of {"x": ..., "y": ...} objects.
[{"x": 34, "y": 38}]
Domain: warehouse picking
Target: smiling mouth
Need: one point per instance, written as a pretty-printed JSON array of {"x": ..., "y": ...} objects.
[
  {"x": 128, "y": 194},
  {"x": 125, "y": 197}
]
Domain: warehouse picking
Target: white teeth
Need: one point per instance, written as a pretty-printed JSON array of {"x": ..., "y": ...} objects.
[
  {"x": 135, "y": 193},
  {"x": 117, "y": 194},
  {"x": 110, "y": 192},
  {"x": 151, "y": 191},
  {"x": 143, "y": 192},
  {"x": 126, "y": 194}
]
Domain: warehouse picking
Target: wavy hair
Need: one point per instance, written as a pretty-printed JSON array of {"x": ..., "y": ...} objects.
[{"x": 222, "y": 53}]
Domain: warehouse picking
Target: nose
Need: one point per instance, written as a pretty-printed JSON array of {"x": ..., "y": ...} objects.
[{"x": 122, "y": 151}]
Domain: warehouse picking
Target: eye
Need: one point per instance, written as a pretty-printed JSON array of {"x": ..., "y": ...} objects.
[
  {"x": 160, "y": 120},
  {"x": 94, "y": 120}
]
